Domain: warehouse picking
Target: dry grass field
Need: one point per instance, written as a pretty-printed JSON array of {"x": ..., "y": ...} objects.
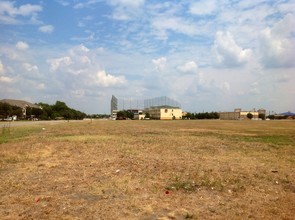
[{"x": 148, "y": 170}]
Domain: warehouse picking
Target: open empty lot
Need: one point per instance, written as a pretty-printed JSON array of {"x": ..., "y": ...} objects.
[{"x": 148, "y": 170}]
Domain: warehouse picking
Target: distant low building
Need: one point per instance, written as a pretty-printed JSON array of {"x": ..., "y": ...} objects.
[
  {"x": 138, "y": 114},
  {"x": 229, "y": 115},
  {"x": 22, "y": 104},
  {"x": 164, "y": 112},
  {"x": 162, "y": 108},
  {"x": 238, "y": 114},
  {"x": 114, "y": 114}
]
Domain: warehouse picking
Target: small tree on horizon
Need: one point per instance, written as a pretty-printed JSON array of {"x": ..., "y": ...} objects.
[
  {"x": 249, "y": 115},
  {"x": 121, "y": 114},
  {"x": 262, "y": 116}
]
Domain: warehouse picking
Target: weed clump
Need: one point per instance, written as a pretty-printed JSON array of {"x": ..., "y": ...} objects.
[{"x": 208, "y": 180}]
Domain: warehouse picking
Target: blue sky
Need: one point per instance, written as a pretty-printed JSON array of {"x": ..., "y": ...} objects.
[{"x": 208, "y": 55}]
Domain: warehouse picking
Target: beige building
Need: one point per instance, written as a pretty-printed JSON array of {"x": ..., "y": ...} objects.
[
  {"x": 139, "y": 117},
  {"x": 138, "y": 114},
  {"x": 114, "y": 114},
  {"x": 164, "y": 112},
  {"x": 229, "y": 115},
  {"x": 238, "y": 114},
  {"x": 243, "y": 114}
]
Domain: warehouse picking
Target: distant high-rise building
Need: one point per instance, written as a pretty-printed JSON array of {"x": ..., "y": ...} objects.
[{"x": 114, "y": 104}]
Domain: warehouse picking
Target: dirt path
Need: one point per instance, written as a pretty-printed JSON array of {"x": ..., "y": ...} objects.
[{"x": 28, "y": 123}]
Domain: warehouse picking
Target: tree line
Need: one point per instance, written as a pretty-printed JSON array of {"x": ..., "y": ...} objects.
[
  {"x": 7, "y": 110},
  {"x": 202, "y": 115},
  {"x": 124, "y": 114},
  {"x": 59, "y": 110}
]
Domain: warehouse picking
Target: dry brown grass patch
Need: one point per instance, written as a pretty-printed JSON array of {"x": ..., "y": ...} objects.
[{"x": 149, "y": 170}]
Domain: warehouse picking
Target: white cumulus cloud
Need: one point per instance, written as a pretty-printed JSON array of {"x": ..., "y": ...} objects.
[
  {"x": 227, "y": 52},
  {"x": 105, "y": 80},
  {"x": 83, "y": 48},
  {"x": 160, "y": 63},
  {"x": 9, "y": 12},
  {"x": 46, "y": 29},
  {"x": 162, "y": 24},
  {"x": 5, "y": 79},
  {"x": 277, "y": 44},
  {"x": 85, "y": 60},
  {"x": 188, "y": 67},
  {"x": 58, "y": 63},
  {"x": 22, "y": 45},
  {"x": 30, "y": 68},
  {"x": 26, "y": 10},
  {"x": 76, "y": 61}
]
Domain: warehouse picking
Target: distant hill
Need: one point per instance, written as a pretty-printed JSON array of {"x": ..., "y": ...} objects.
[{"x": 287, "y": 114}]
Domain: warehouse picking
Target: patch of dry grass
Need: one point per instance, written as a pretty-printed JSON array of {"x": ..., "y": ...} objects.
[{"x": 149, "y": 170}]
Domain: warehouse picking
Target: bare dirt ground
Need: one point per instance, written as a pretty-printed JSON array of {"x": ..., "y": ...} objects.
[{"x": 148, "y": 170}]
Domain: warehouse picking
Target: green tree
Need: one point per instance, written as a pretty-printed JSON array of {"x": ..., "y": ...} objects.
[
  {"x": 5, "y": 109},
  {"x": 121, "y": 115},
  {"x": 249, "y": 115},
  {"x": 60, "y": 106},
  {"x": 190, "y": 115},
  {"x": 68, "y": 114},
  {"x": 202, "y": 115},
  {"x": 9, "y": 110},
  {"x": 262, "y": 116},
  {"x": 60, "y": 109},
  {"x": 272, "y": 117},
  {"x": 16, "y": 111},
  {"x": 47, "y": 111},
  {"x": 129, "y": 114}
]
